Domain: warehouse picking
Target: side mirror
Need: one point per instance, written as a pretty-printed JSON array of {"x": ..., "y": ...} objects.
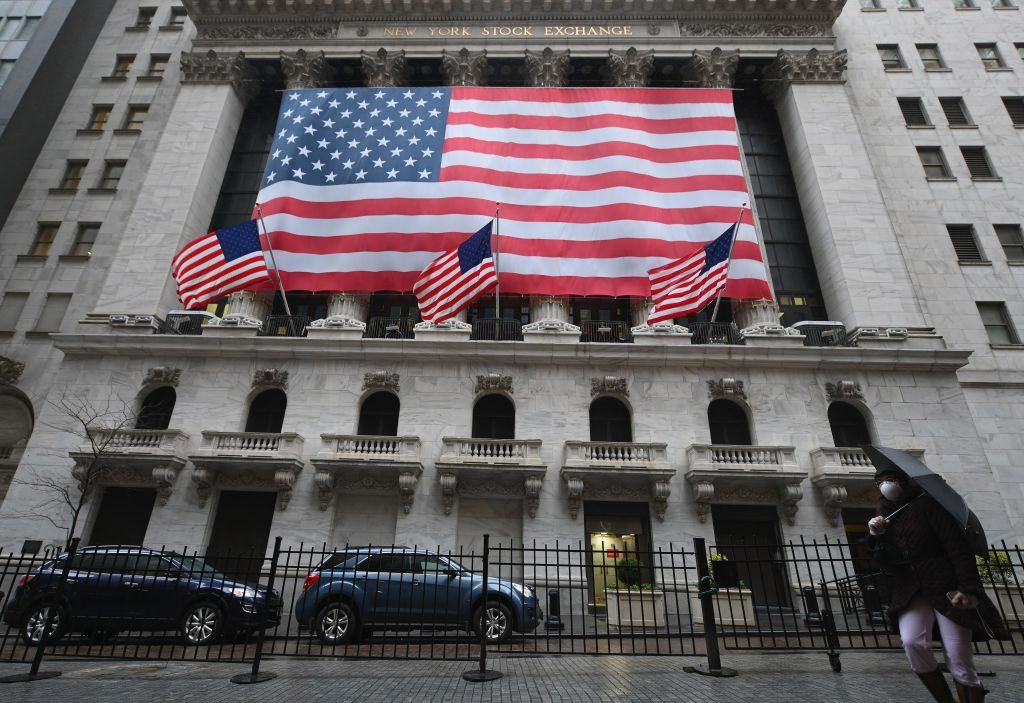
[{"x": 452, "y": 573}]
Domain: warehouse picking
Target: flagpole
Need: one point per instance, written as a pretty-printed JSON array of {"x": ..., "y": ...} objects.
[
  {"x": 270, "y": 248},
  {"x": 728, "y": 261},
  {"x": 497, "y": 284}
]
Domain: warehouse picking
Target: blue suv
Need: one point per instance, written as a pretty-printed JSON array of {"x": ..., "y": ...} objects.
[
  {"x": 355, "y": 591},
  {"x": 131, "y": 588}
]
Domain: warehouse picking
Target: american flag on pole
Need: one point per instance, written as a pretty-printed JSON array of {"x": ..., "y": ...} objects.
[
  {"x": 364, "y": 187},
  {"x": 219, "y": 263},
  {"x": 455, "y": 279},
  {"x": 683, "y": 287}
]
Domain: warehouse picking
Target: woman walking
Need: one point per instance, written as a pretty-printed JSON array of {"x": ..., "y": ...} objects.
[{"x": 933, "y": 577}]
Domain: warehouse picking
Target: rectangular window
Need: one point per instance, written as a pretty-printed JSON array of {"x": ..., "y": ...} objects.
[
  {"x": 145, "y": 18},
  {"x": 870, "y": 5},
  {"x": 9, "y": 27},
  {"x": 54, "y": 309},
  {"x": 45, "y": 236},
  {"x": 112, "y": 172},
  {"x": 933, "y": 162},
  {"x": 73, "y": 174},
  {"x": 963, "y": 4},
  {"x": 913, "y": 112},
  {"x": 100, "y": 116},
  {"x": 178, "y": 17},
  {"x": 136, "y": 116},
  {"x": 10, "y": 310},
  {"x": 1020, "y": 50},
  {"x": 908, "y": 4},
  {"x": 956, "y": 112},
  {"x": 990, "y": 57},
  {"x": 84, "y": 240},
  {"x": 123, "y": 66},
  {"x": 1012, "y": 240},
  {"x": 965, "y": 244},
  {"x": 930, "y": 57},
  {"x": 28, "y": 28},
  {"x": 997, "y": 323},
  {"x": 157, "y": 64},
  {"x": 892, "y": 59},
  {"x": 1015, "y": 109},
  {"x": 977, "y": 162},
  {"x": 1003, "y": 4},
  {"x": 6, "y": 68}
]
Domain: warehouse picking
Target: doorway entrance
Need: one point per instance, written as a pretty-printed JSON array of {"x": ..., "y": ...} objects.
[
  {"x": 616, "y": 531},
  {"x": 241, "y": 530},
  {"x": 749, "y": 536},
  {"x": 123, "y": 516}
]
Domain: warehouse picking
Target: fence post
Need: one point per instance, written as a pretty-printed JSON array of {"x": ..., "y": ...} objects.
[
  {"x": 257, "y": 676},
  {"x": 706, "y": 591},
  {"x": 34, "y": 673},
  {"x": 483, "y": 673}
]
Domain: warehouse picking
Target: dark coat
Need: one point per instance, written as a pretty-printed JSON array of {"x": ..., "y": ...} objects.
[{"x": 925, "y": 553}]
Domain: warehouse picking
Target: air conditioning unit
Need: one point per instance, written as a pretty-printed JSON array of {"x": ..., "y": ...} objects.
[{"x": 823, "y": 333}]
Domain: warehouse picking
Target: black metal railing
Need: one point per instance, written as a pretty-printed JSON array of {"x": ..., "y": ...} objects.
[
  {"x": 390, "y": 328},
  {"x": 609, "y": 332},
  {"x": 825, "y": 336},
  {"x": 715, "y": 333},
  {"x": 285, "y": 326},
  {"x": 185, "y": 323},
  {"x": 493, "y": 329}
]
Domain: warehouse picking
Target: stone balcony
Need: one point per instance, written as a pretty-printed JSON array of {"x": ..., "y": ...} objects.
[
  {"x": 617, "y": 470},
  {"x": 367, "y": 463},
  {"x": 131, "y": 457},
  {"x": 269, "y": 460},
  {"x": 845, "y": 476},
  {"x": 494, "y": 466},
  {"x": 744, "y": 474}
]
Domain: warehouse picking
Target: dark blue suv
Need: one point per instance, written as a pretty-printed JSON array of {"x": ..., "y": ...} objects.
[
  {"x": 356, "y": 591},
  {"x": 130, "y": 588}
]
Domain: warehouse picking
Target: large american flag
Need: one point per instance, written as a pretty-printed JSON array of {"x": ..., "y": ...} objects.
[{"x": 364, "y": 187}]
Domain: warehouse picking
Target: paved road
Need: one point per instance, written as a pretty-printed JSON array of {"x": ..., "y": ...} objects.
[{"x": 763, "y": 678}]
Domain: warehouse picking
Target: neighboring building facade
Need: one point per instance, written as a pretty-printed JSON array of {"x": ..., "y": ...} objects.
[{"x": 885, "y": 159}]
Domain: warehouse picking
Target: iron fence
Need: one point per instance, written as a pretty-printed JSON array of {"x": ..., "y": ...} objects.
[
  {"x": 285, "y": 326},
  {"x": 499, "y": 330},
  {"x": 715, "y": 333},
  {"x": 390, "y": 328},
  {"x": 610, "y": 332}
]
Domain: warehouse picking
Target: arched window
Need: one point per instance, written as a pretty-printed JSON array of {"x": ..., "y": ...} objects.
[
  {"x": 610, "y": 421},
  {"x": 266, "y": 412},
  {"x": 728, "y": 423},
  {"x": 155, "y": 413},
  {"x": 849, "y": 428},
  {"x": 379, "y": 415},
  {"x": 494, "y": 417}
]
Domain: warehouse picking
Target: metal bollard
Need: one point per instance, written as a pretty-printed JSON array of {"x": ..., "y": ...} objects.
[
  {"x": 714, "y": 666},
  {"x": 257, "y": 676},
  {"x": 554, "y": 619},
  {"x": 483, "y": 673}
]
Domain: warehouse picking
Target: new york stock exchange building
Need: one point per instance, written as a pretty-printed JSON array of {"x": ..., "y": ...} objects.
[{"x": 882, "y": 147}]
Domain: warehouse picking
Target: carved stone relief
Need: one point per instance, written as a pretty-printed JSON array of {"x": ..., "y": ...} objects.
[
  {"x": 715, "y": 68},
  {"x": 574, "y": 489},
  {"x": 10, "y": 370},
  {"x": 531, "y": 487},
  {"x": 726, "y": 388},
  {"x": 630, "y": 68},
  {"x": 162, "y": 376},
  {"x": 385, "y": 380},
  {"x": 843, "y": 390},
  {"x": 210, "y": 67},
  {"x": 465, "y": 67},
  {"x": 493, "y": 382},
  {"x": 755, "y": 29},
  {"x": 548, "y": 68},
  {"x": 449, "y": 486},
  {"x": 383, "y": 69},
  {"x": 270, "y": 378},
  {"x": 269, "y": 30},
  {"x": 608, "y": 384},
  {"x": 304, "y": 70},
  {"x": 804, "y": 67}
]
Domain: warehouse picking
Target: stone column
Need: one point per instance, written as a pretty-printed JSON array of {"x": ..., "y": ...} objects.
[
  {"x": 630, "y": 68},
  {"x": 383, "y": 69},
  {"x": 549, "y": 315},
  {"x": 180, "y": 189},
  {"x": 465, "y": 68},
  {"x": 847, "y": 223}
]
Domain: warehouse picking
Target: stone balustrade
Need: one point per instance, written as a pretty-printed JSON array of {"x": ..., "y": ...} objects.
[
  {"x": 371, "y": 447},
  {"x": 734, "y": 457},
  {"x": 614, "y": 454},
  {"x": 140, "y": 441},
  {"x": 270, "y": 460},
  {"x": 845, "y": 476},
  {"x": 367, "y": 463},
  {"x": 245, "y": 443},
  {"x": 491, "y": 451}
]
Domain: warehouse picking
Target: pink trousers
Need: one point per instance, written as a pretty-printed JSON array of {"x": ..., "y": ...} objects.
[{"x": 916, "y": 632}]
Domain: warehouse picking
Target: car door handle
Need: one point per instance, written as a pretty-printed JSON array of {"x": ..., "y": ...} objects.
[{"x": 133, "y": 584}]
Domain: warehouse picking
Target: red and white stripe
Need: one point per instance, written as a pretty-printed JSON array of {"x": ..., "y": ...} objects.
[
  {"x": 679, "y": 289},
  {"x": 597, "y": 187},
  {"x": 204, "y": 275},
  {"x": 443, "y": 290}
]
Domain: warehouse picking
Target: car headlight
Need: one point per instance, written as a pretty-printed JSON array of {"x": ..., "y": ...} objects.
[
  {"x": 241, "y": 592},
  {"x": 524, "y": 591}
]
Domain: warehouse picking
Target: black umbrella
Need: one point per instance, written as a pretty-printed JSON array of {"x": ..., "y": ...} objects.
[{"x": 888, "y": 459}]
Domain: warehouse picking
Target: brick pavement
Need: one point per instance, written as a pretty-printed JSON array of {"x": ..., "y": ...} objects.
[{"x": 764, "y": 678}]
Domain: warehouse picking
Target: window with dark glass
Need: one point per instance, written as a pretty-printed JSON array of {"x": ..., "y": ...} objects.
[
  {"x": 145, "y": 17},
  {"x": 1015, "y": 109},
  {"x": 494, "y": 417},
  {"x": 1020, "y": 50},
  {"x": 136, "y": 116},
  {"x": 892, "y": 59},
  {"x": 379, "y": 415},
  {"x": 913, "y": 112},
  {"x": 156, "y": 410},
  {"x": 45, "y": 236},
  {"x": 933, "y": 162},
  {"x": 908, "y": 4},
  {"x": 85, "y": 238},
  {"x": 177, "y": 17},
  {"x": 956, "y": 112},
  {"x": 728, "y": 423},
  {"x": 112, "y": 172},
  {"x": 1012, "y": 241},
  {"x": 610, "y": 421},
  {"x": 997, "y": 323},
  {"x": 266, "y": 412},
  {"x": 73, "y": 174},
  {"x": 977, "y": 162},
  {"x": 965, "y": 243},
  {"x": 849, "y": 428},
  {"x": 990, "y": 57},
  {"x": 870, "y": 5},
  {"x": 157, "y": 65},
  {"x": 963, "y": 4},
  {"x": 930, "y": 57},
  {"x": 99, "y": 117},
  {"x": 123, "y": 66}
]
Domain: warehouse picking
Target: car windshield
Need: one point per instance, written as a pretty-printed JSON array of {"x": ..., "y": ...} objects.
[{"x": 197, "y": 567}]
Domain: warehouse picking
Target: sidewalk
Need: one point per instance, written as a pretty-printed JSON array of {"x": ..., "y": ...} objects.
[{"x": 763, "y": 678}]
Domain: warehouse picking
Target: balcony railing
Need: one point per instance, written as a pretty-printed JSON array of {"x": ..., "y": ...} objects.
[
  {"x": 493, "y": 329},
  {"x": 609, "y": 332},
  {"x": 715, "y": 333},
  {"x": 613, "y": 454},
  {"x": 185, "y": 322},
  {"x": 846, "y": 462},
  {"x": 243, "y": 443},
  {"x": 747, "y": 459},
  {"x": 370, "y": 447},
  {"x": 490, "y": 451},
  {"x": 285, "y": 326},
  {"x": 143, "y": 441},
  {"x": 824, "y": 335},
  {"x": 390, "y": 328}
]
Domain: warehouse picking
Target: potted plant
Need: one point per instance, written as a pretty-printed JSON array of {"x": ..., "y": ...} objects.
[
  {"x": 634, "y": 604},
  {"x": 734, "y": 604},
  {"x": 1002, "y": 584}
]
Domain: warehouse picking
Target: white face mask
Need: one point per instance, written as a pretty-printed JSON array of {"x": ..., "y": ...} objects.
[{"x": 891, "y": 490}]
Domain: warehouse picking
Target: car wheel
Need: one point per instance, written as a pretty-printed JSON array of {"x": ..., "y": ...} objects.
[
  {"x": 495, "y": 622},
  {"x": 336, "y": 623},
  {"x": 32, "y": 629},
  {"x": 202, "y": 623}
]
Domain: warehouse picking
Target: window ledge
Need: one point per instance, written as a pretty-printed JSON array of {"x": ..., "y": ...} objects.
[
  {"x": 943, "y": 179},
  {"x": 967, "y": 9},
  {"x": 1019, "y": 126},
  {"x": 987, "y": 179},
  {"x": 974, "y": 263},
  {"x": 1015, "y": 262},
  {"x": 94, "y": 132},
  {"x": 898, "y": 70},
  {"x": 1001, "y": 69},
  {"x": 6, "y": 334},
  {"x": 39, "y": 334},
  {"x": 1002, "y": 7},
  {"x": 31, "y": 259},
  {"x": 872, "y": 9},
  {"x": 938, "y": 70},
  {"x": 113, "y": 79},
  {"x": 62, "y": 191},
  {"x": 963, "y": 126},
  {"x": 102, "y": 191},
  {"x": 128, "y": 131},
  {"x": 137, "y": 28},
  {"x": 171, "y": 27},
  {"x": 1007, "y": 346},
  {"x": 910, "y": 9},
  {"x": 149, "y": 79},
  {"x": 73, "y": 258},
  {"x": 920, "y": 126}
]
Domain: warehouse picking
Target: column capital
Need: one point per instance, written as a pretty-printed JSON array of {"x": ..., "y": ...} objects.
[
  {"x": 305, "y": 70},
  {"x": 211, "y": 67},
  {"x": 548, "y": 68},
  {"x": 383, "y": 69},
  {"x": 715, "y": 68},
  {"x": 804, "y": 67},
  {"x": 465, "y": 68},
  {"x": 630, "y": 68}
]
